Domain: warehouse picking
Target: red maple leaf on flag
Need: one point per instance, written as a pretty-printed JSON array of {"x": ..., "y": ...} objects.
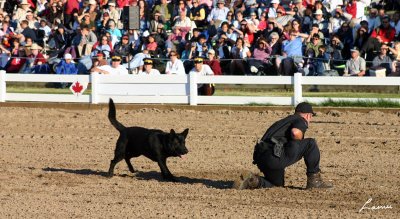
[{"x": 77, "y": 88}]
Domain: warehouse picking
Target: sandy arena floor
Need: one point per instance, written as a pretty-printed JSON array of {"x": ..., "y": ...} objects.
[{"x": 53, "y": 162}]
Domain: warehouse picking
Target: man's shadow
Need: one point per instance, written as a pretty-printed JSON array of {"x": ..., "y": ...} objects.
[{"x": 152, "y": 175}]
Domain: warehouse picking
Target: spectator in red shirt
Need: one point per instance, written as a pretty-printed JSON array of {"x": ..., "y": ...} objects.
[
  {"x": 71, "y": 7},
  {"x": 213, "y": 62},
  {"x": 384, "y": 34},
  {"x": 351, "y": 8}
]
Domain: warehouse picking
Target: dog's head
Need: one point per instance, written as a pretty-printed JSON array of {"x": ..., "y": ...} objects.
[{"x": 177, "y": 144}]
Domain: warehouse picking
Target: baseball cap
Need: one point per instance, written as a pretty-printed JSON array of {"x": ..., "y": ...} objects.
[
  {"x": 67, "y": 56},
  {"x": 354, "y": 49},
  {"x": 116, "y": 58},
  {"x": 198, "y": 60},
  {"x": 211, "y": 51},
  {"x": 275, "y": 2},
  {"x": 304, "y": 107},
  {"x": 318, "y": 11},
  {"x": 148, "y": 61}
]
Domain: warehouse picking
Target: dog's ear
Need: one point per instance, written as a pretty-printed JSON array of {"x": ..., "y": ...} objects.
[
  {"x": 185, "y": 133},
  {"x": 172, "y": 132}
]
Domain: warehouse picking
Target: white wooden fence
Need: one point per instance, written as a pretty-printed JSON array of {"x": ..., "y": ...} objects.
[{"x": 179, "y": 89}]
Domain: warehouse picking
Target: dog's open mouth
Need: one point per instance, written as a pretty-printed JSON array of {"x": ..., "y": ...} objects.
[{"x": 182, "y": 156}]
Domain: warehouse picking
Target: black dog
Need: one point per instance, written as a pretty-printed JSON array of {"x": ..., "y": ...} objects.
[{"x": 152, "y": 143}]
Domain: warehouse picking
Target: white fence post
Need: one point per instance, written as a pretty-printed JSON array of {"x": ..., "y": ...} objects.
[
  {"x": 93, "y": 79},
  {"x": 298, "y": 88},
  {"x": 193, "y": 89},
  {"x": 3, "y": 86}
]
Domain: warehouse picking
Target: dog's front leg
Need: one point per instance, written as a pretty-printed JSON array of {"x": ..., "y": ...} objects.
[{"x": 162, "y": 163}]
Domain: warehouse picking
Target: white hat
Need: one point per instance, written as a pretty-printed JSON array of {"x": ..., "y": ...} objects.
[
  {"x": 275, "y": 1},
  {"x": 92, "y": 2},
  {"x": 211, "y": 51},
  {"x": 111, "y": 3},
  {"x": 35, "y": 46},
  {"x": 67, "y": 56},
  {"x": 318, "y": 11},
  {"x": 354, "y": 49},
  {"x": 146, "y": 33}
]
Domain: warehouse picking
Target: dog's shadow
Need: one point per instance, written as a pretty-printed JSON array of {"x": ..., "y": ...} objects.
[
  {"x": 79, "y": 172},
  {"x": 152, "y": 175}
]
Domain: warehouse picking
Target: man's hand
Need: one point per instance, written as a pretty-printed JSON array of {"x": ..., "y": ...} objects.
[{"x": 297, "y": 134}]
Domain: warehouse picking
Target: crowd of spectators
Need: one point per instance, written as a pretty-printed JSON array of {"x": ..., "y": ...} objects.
[{"x": 230, "y": 37}]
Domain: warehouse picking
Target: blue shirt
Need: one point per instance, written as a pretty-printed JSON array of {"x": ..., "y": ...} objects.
[
  {"x": 66, "y": 69},
  {"x": 293, "y": 48}
]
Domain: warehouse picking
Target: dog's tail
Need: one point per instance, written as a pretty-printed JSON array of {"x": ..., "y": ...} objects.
[{"x": 112, "y": 116}]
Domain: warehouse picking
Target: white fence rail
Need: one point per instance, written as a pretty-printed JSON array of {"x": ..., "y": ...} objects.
[{"x": 179, "y": 89}]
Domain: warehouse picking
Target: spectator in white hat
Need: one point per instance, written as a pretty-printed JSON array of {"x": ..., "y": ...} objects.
[
  {"x": 218, "y": 14},
  {"x": 356, "y": 65},
  {"x": 213, "y": 62}
]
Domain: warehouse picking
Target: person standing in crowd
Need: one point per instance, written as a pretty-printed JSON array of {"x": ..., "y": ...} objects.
[
  {"x": 114, "y": 69},
  {"x": 175, "y": 65},
  {"x": 282, "y": 145},
  {"x": 356, "y": 65},
  {"x": 201, "y": 69},
  {"x": 71, "y": 8}
]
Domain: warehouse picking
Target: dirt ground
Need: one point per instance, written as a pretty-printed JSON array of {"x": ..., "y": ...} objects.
[{"x": 53, "y": 162}]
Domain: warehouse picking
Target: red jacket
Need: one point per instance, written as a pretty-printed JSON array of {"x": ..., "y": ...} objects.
[
  {"x": 386, "y": 35},
  {"x": 352, "y": 9},
  {"x": 39, "y": 58},
  {"x": 215, "y": 66}
]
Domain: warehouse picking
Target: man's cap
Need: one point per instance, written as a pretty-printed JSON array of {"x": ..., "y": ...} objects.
[
  {"x": 354, "y": 49},
  {"x": 67, "y": 56},
  {"x": 253, "y": 13},
  {"x": 221, "y": 1},
  {"x": 297, "y": 1},
  {"x": 125, "y": 37},
  {"x": 318, "y": 11},
  {"x": 304, "y": 107},
  {"x": 92, "y": 2},
  {"x": 24, "y": 2},
  {"x": 100, "y": 54},
  {"x": 147, "y": 61},
  {"x": 211, "y": 51},
  {"x": 275, "y": 1},
  {"x": 111, "y": 3},
  {"x": 116, "y": 58},
  {"x": 198, "y": 60}
]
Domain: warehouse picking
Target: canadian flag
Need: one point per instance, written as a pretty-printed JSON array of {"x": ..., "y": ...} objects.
[{"x": 78, "y": 88}]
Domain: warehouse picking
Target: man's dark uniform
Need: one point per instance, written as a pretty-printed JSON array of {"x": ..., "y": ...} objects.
[{"x": 278, "y": 150}]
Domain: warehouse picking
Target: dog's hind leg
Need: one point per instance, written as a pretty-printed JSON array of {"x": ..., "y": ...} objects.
[{"x": 119, "y": 154}]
